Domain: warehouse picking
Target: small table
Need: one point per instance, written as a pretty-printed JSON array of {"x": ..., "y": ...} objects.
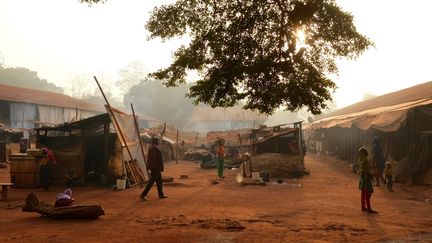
[{"x": 5, "y": 190}]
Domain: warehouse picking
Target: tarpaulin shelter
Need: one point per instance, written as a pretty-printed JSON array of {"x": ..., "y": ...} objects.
[
  {"x": 83, "y": 147},
  {"x": 397, "y": 118},
  {"x": 129, "y": 138},
  {"x": 92, "y": 146}
]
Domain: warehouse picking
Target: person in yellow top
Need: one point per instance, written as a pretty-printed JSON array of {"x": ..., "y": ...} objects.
[
  {"x": 220, "y": 157},
  {"x": 388, "y": 173},
  {"x": 45, "y": 163}
]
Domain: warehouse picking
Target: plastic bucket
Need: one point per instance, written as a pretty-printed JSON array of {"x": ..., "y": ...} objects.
[
  {"x": 121, "y": 184},
  {"x": 256, "y": 176},
  {"x": 265, "y": 175}
]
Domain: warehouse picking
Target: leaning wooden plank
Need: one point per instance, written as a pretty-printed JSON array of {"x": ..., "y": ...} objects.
[
  {"x": 71, "y": 212},
  {"x": 137, "y": 171},
  {"x": 129, "y": 173}
]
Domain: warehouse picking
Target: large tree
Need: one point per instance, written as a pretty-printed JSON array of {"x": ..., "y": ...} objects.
[{"x": 250, "y": 50}]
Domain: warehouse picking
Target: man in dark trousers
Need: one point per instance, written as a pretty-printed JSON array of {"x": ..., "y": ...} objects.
[{"x": 155, "y": 165}]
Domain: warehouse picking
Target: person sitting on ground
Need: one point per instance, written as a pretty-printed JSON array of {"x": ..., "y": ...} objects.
[
  {"x": 388, "y": 173},
  {"x": 365, "y": 182},
  {"x": 64, "y": 199}
]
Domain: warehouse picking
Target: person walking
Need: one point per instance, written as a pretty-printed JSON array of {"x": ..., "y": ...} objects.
[
  {"x": 378, "y": 160},
  {"x": 365, "y": 182},
  {"x": 156, "y": 166},
  {"x": 220, "y": 158},
  {"x": 388, "y": 173}
]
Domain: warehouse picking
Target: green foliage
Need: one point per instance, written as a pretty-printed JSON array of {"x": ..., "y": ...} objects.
[
  {"x": 151, "y": 97},
  {"x": 248, "y": 50},
  {"x": 23, "y": 77},
  {"x": 90, "y": 2}
]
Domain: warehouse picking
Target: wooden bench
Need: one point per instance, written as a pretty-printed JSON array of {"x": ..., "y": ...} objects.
[{"x": 5, "y": 190}]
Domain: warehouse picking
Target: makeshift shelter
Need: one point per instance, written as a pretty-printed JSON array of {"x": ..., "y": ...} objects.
[
  {"x": 100, "y": 147},
  {"x": 397, "y": 118},
  {"x": 279, "y": 152},
  {"x": 84, "y": 149}
]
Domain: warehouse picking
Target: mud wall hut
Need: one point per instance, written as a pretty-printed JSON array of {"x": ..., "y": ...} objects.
[{"x": 279, "y": 153}]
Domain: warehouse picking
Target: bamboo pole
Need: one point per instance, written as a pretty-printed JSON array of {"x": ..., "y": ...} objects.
[
  {"x": 114, "y": 118},
  {"x": 177, "y": 147},
  {"x": 139, "y": 138}
]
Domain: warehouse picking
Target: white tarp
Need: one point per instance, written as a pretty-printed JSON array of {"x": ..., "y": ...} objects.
[
  {"x": 388, "y": 118},
  {"x": 59, "y": 115},
  {"x": 50, "y": 114},
  {"x": 22, "y": 115},
  {"x": 124, "y": 124}
]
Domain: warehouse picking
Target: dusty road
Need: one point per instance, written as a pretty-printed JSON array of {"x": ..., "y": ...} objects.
[{"x": 321, "y": 207}]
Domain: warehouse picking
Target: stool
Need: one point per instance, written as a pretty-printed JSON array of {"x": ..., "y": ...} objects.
[{"x": 5, "y": 190}]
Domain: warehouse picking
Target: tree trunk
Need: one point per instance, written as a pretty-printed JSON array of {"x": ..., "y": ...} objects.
[{"x": 70, "y": 212}]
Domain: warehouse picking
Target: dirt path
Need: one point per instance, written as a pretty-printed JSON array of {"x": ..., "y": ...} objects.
[{"x": 322, "y": 207}]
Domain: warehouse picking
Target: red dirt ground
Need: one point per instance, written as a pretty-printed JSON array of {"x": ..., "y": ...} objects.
[{"x": 321, "y": 207}]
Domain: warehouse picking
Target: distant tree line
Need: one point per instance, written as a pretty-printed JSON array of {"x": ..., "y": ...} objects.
[{"x": 24, "y": 77}]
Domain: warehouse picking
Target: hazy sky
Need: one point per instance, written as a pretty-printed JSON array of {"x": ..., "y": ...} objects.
[{"x": 62, "y": 39}]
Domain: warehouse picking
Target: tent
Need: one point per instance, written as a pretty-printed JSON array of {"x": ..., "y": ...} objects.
[{"x": 399, "y": 119}]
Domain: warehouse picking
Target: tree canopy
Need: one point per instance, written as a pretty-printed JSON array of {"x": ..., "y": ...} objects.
[{"x": 268, "y": 53}]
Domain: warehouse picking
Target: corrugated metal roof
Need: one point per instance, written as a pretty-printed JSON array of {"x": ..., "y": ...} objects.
[{"x": 25, "y": 95}]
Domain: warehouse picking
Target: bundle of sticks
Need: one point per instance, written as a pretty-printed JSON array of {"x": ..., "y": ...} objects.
[{"x": 134, "y": 173}]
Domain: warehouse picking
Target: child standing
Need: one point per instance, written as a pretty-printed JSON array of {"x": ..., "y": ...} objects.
[
  {"x": 388, "y": 173},
  {"x": 365, "y": 182},
  {"x": 221, "y": 157}
]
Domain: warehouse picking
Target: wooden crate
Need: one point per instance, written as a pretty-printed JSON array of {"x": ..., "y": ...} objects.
[
  {"x": 24, "y": 170},
  {"x": 427, "y": 177},
  {"x": 279, "y": 165},
  {"x": 25, "y": 179}
]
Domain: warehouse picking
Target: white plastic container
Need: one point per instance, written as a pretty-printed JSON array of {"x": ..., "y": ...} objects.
[
  {"x": 121, "y": 184},
  {"x": 256, "y": 176}
]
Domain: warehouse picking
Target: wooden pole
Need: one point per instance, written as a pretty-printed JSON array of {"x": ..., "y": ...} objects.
[
  {"x": 76, "y": 113},
  {"x": 177, "y": 147},
  {"x": 139, "y": 138},
  {"x": 106, "y": 145},
  {"x": 162, "y": 133},
  {"x": 114, "y": 118}
]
